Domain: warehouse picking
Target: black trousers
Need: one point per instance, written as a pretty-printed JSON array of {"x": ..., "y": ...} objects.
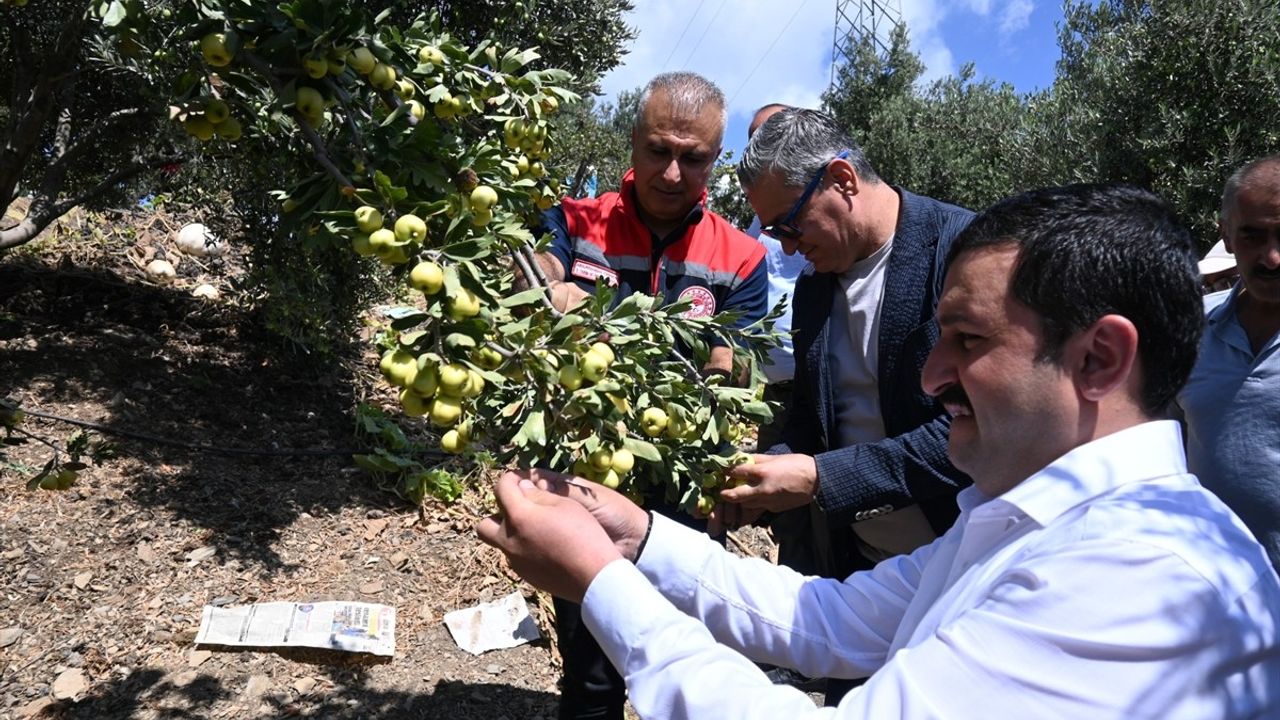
[{"x": 590, "y": 687}]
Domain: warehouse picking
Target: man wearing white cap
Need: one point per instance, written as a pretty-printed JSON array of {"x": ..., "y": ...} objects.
[
  {"x": 1231, "y": 403},
  {"x": 1218, "y": 268}
]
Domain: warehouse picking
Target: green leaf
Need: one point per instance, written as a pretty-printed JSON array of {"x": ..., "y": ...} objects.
[
  {"x": 528, "y": 297},
  {"x": 115, "y": 15},
  {"x": 642, "y": 449},
  {"x": 533, "y": 430}
]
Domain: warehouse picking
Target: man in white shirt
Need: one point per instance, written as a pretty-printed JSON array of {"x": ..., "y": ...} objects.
[{"x": 1088, "y": 575}]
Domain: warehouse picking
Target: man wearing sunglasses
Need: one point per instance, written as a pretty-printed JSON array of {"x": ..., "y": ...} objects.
[{"x": 864, "y": 441}]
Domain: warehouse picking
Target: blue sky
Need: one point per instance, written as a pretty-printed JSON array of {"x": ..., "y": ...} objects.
[{"x": 761, "y": 51}]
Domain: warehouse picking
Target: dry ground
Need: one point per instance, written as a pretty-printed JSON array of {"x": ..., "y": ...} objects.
[{"x": 102, "y": 579}]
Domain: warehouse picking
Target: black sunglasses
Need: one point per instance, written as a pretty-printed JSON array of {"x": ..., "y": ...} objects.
[{"x": 784, "y": 229}]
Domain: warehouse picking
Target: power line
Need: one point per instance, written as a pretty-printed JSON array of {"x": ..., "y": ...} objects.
[
  {"x": 765, "y": 54},
  {"x": 704, "y": 34},
  {"x": 682, "y": 34}
]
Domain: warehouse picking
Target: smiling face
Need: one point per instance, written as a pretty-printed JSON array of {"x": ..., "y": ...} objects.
[
  {"x": 672, "y": 154},
  {"x": 1012, "y": 412}
]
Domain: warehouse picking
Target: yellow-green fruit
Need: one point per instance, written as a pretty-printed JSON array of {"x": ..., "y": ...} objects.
[
  {"x": 411, "y": 228},
  {"x": 453, "y": 379},
  {"x": 414, "y": 404},
  {"x": 405, "y": 89},
  {"x": 426, "y": 277},
  {"x": 368, "y": 218},
  {"x": 316, "y": 67},
  {"x": 604, "y": 351},
  {"x": 581, "y": 469},
  {"x": 610, "y": 479},
  {"x": 335, "y": 66},
  {"x": 417, "y": 109},
  {"x": 600, "y": 460},
  {"x": 394, "y": 255},
  {"x": 653, "y": 421},
  {"x": 480, "y": 218},
  {"x": 360, "y": 243},
  {"x": 453, "y": 442},
  {"x": 362, "y": 60},
  {"x": 550, "y": 104},
  {"x": 483, "y": 198},
  {"x": 474, "y": 385},
  {"x": 214, "y": 48},
  {"x": 382, "y": 76},
  {"x": 229, "y": 129},
  {"x": 215, "y": 111},
  {"x": 594, "y": 366},
  {"x": 570, "y": 377},
  {"x": 463, "y": 305},
  {"x": 399, "y": 367},
  {"x": 382, "y": 240},
  {"x": 623, "y": 460},
  {"x": 487, "y": 358},
  {"x": 198, "y": 127},
  {"x": 431, "y": 55},
  {"x": 706, "y": 504},
  {"x": 426, "y": 381},
  {"x": 522, "y": 164},
  {"x": 310, "y": 103},
  {"x": 445, "y": 410}
]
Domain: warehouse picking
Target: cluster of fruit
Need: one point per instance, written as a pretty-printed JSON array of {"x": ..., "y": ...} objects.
[
  {"x": 14, "y": 3},
  {"x": 391, "y": 246},
  {"x": 210, "y": 117},
  {"x": 591, "y": 367},
  {"x": 439, "y": 392},
  {"x": 606, "y": 466}
]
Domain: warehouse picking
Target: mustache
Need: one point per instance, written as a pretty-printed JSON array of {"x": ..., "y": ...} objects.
[{"x": 954, "y": 395}]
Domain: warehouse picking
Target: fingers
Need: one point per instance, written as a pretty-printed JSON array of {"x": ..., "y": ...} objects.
[{"x": 490, "y": 531}]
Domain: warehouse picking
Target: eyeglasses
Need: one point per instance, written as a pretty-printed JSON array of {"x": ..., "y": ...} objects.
[{"x": 785, "y": 228}]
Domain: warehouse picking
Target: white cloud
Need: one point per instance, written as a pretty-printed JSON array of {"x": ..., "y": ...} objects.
[
  {"x": 762, "y": 51},
  {"x": 1016, "y": 16}
]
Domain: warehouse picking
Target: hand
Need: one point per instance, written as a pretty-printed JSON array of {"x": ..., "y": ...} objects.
[
  {"x": 726, "y": 516},
  {"x": 552, "y": 542},
  {"x": 567, "y": 295},
  {"x": 774, "y": 482},
  {"x": 623, "y": 521}
]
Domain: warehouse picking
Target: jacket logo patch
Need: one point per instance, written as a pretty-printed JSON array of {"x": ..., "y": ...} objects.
[
  {"x": 590, "y": 272},
  {"x": 704, "y": 303}
]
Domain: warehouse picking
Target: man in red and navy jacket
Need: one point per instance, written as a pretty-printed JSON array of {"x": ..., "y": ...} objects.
[{"x": 653, "y": 236}]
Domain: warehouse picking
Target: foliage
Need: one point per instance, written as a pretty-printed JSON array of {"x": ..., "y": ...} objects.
[
  {"x": 401, "y": 143},
  {"x": 725, "y": 195},
  {"x": 598, "y": 134},
  {"x": 1167, "y": 94}
]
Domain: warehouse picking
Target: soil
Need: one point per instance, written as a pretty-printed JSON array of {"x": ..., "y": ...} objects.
[{"x": 102, "y": 586}]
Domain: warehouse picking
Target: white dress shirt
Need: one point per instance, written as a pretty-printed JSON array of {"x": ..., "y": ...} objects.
[{"x": 1108, "y": 585}]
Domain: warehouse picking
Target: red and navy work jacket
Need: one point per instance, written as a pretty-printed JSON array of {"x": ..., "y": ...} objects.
[{"x": 707, "y": 261}]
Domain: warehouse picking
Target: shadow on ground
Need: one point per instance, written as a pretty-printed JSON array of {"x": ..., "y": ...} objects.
[
  {"x": 97, "y": 347},
  {"x": 346, "y": 695}
]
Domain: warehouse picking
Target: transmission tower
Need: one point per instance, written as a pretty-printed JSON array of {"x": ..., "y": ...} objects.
[{"x": 856, "y": 19}]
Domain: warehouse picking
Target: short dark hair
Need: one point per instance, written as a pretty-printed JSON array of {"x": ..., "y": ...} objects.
[{"x": 1085, "y": 251}]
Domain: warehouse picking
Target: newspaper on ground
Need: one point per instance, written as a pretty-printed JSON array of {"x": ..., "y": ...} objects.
[
  {"x": 496, "y": 625},
  {"x": 334, "y": 625}
]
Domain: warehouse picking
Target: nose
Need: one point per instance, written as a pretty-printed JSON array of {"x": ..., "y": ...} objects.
[
  {"x": 671, "y": 173},
  {"x": 1271, "y": 254},
  {"x": 939, "y": 371},
  {"x": 790, "y": 245}
]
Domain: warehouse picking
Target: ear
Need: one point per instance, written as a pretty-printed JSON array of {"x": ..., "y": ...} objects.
[
  {"x": 844, "y": 176},
  {"x": 1225, "y": 236},
  {"x": 1106, "y": 355}
]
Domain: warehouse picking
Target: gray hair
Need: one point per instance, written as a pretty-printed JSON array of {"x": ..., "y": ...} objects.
[
  {"x": 794, "y": 144},
  {"x": 1243, "y": 176},
  {"x": 688, "y": 93}
]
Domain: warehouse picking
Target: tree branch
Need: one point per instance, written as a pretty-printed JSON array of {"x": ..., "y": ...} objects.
[
  {"x": 319, "y": 149},
  {"x": 533, "y": 274},
  {"x": 113, "y": 179}
]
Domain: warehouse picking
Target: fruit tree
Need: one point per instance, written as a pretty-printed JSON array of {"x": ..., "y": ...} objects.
[{"x": 434, "y": 158}]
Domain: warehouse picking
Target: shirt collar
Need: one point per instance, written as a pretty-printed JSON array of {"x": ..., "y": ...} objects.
[{"x": 1150, "y": 450}]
